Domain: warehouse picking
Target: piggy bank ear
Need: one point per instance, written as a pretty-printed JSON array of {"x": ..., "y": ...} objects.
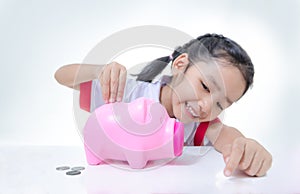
[
  {"x": 139, "y": 110},
  {"x": 140, "y": 117}
]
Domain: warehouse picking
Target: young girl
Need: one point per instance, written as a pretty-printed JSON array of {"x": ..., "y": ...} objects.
[{"x": 208, "y": 75}]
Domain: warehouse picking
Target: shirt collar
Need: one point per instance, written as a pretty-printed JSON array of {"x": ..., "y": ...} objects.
[{"x": 165, "y": 79}]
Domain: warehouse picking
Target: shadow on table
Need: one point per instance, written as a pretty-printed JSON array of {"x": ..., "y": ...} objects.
[{"x": 188, "y": 157}]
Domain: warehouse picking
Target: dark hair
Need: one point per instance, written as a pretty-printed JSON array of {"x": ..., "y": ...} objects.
[{"x": 213, "y": 45}]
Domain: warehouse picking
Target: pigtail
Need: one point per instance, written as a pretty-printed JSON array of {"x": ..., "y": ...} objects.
[{"x": 155, "y": 67}]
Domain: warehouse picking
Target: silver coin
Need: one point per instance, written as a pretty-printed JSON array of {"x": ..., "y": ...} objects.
[
  {"x": 61, "y": 168},
  {"x": 78, "y": 168},
  {"x": 73, "y": 172}
]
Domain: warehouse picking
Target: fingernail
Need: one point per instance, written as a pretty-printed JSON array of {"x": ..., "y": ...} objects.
[
  {"x": 227, "y": 160},
  {"x": 106, "y": 101},
  {"x": 111, "y": 100},
  {"x": 119, "y": 99},
  {"x": 227, "y": 173}
]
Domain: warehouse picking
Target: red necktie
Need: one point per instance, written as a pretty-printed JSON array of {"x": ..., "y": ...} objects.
[
  {"x": 201, "y": 130},
  {"x": 200, "y": 133}
]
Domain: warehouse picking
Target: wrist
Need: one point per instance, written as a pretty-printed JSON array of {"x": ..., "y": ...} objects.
[
  {"x": 226, "y": 137},
  {"x": 97, "y": 71}
]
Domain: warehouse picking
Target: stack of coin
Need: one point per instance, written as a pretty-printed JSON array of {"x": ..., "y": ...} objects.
[{"x": 74, "y": 170}]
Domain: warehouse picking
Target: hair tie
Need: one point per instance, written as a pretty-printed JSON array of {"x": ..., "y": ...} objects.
[{"x": 174, "y": 55}]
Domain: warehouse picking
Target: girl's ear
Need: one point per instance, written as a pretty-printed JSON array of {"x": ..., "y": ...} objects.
[{"x": 180, "y": 63}]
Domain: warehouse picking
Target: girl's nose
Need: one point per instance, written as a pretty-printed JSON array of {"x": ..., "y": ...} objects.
[{"x": 203, "y": 108}]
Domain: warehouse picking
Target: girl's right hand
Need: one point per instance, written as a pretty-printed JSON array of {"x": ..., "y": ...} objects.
[{"x": 112, "y": 81}]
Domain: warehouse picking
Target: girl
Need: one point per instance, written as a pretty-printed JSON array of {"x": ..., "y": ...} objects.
[{"x": 208, "y": 75}]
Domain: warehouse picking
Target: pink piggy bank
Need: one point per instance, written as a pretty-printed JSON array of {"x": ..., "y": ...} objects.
[{"x": 135, "y": 132}]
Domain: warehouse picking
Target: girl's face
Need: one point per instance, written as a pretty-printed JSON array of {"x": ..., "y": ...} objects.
[{"x": 203, "y": 91}]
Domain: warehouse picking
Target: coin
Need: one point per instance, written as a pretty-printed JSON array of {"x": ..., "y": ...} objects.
[
  {"x": 73, "y": 172},
  {"x": 61, "y": 168},
  {"x": 78, "y": 168}
]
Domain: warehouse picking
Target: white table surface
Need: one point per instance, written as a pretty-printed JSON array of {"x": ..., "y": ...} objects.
[{"x": 32, "y": 169}]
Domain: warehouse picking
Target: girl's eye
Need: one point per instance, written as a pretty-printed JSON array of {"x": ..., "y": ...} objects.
[
  {"x": 205, "y": 87},
  {"x": 220, "y": 106}
]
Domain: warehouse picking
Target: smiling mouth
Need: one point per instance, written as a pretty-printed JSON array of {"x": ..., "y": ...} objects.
[{"x": 191, "y": 110}]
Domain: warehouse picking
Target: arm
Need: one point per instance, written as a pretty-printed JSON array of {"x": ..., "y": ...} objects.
[
  {"x": 220, "y": 135},
  {"x": 238, "y": 151},
  {"x": 74, "y": 74},
  {"x": 112, "y": 78}
]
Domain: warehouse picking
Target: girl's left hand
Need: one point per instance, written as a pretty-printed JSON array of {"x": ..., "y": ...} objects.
[{"x": 247, "y": 155}]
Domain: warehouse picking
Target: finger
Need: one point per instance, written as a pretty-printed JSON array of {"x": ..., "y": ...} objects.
[
  {"x": 122, "y": 82},
  {"x": 235, "y": 157},
  {"x": 105, "y": 83},
  {"x": 114, "y": 82},
  {"x": 264, "y": 168},
  {"x": 260, "y": 164},
  {"x": 226, "y": 150},
  {"x": 247, "y": 157},
  {"x": 255, "y": 165}
]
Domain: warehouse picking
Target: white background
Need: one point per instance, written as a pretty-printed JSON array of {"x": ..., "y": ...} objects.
[{"x": 37, "y": 37}]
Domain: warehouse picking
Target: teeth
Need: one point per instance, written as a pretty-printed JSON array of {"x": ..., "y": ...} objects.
[{"x": 189, "y": 108}]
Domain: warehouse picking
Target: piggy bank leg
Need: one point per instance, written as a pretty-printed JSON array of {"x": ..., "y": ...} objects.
[
  {"x": 91, "y": 158},
  {"x": 136, "y": 160}
]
